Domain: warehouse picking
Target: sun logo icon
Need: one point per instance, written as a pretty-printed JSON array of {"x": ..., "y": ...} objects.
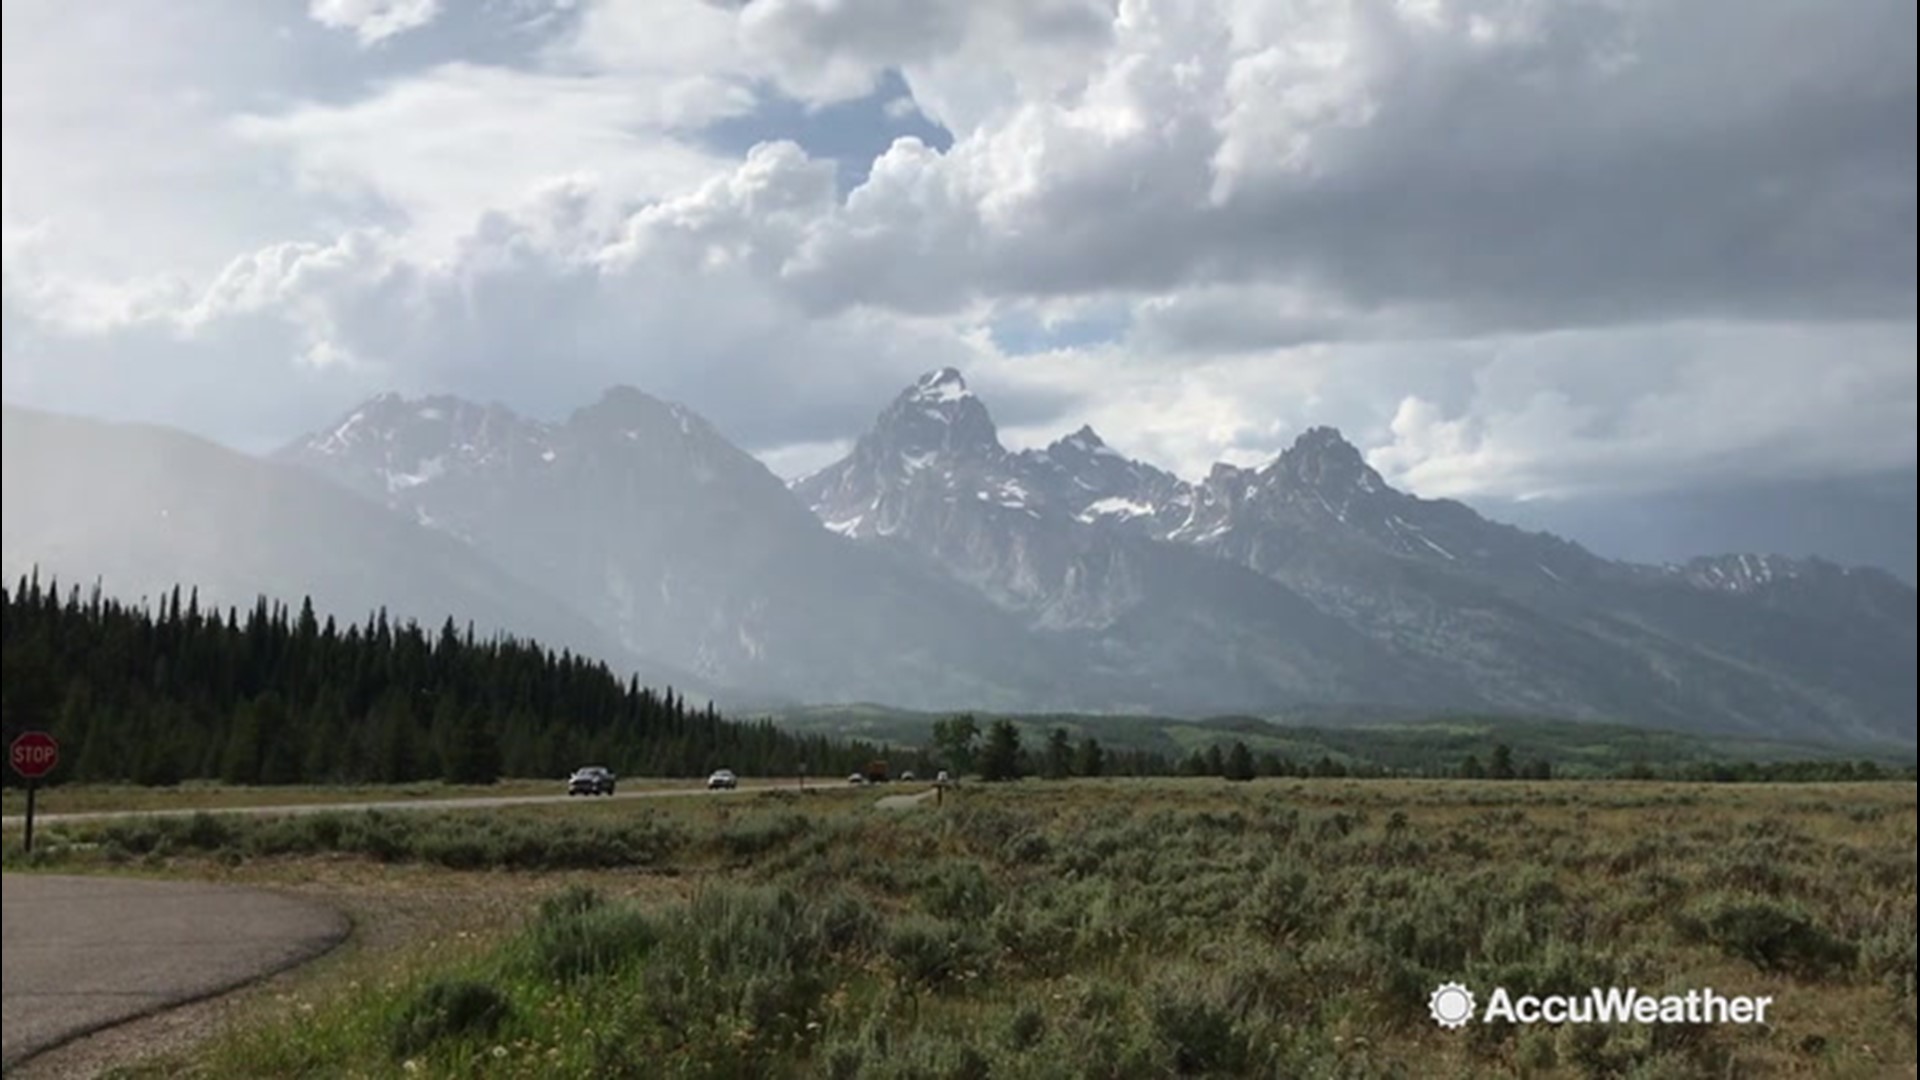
[{"x": 1451, "y": 1005}]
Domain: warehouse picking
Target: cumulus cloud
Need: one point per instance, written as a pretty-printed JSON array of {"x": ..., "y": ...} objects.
[
  {"x": 541, "y": 304},
  {"x": 1520, "y": 165},
  {"x": 373, "y": 21},
  {"x": 1510, "y": 247},
  {"x": 1697, "y": 405},
  {"x": 442, "y": 148}
]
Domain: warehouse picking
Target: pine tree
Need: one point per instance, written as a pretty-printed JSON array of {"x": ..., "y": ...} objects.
[
  {"x": 1091, "y": 759},
  {"x": 1500, "y": 767},
  {"x": 1216, "y": 761},
  {"x": 240, "y": 763},
  {"x": 1239, "y": 762},
  {"x": 1000, "y": 759},
  {"x": 1059, "y": 764},
  {"x": 956, "y": 740},
  {"x": 474, "y": 757}
]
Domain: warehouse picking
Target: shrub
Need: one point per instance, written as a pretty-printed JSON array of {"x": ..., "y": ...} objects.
[
  {"x": 448, "y": 1008},
  {"x": 959, "y": 890},
  {"x": 1201, "y": 1037},
  {"x": 936, "y": 954},
  {"x": 1773, "y": 937},
  {"x": 1281, "y": 904},
  {"x": 573, "y": 900},
  {"x": 759, "y": 836},
  {"x": 1026, "y": 1027},
  {"x": 1039, "y": 939},
  {"x": 847, "y": 924},
  {"x": 740, "y": 959},
  {"x": 208, "y": 832},
  {"x": 589, "y": 941}
]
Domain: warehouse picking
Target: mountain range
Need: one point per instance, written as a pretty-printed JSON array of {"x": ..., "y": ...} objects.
[{"x": 934, "y": 568}]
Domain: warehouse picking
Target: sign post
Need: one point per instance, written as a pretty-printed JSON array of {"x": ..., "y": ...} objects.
[{"x": 33, "y": 755}]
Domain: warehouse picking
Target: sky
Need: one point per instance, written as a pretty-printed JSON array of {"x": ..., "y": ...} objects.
[{"x": 1515, "y": 250}]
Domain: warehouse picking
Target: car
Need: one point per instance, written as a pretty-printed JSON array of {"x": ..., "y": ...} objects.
[
  {"x": 591, "y": 780},
  {"x": 907, "y": 777},
  {"x": 857, "y": 778},
  {"x": 722, "y": 780}
]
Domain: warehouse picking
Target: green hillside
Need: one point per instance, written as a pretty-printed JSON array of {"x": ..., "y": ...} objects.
[{"x": 1394, "y": 740}]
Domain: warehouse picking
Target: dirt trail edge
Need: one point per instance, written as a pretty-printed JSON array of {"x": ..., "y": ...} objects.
[{"x": 81, "y": 954}]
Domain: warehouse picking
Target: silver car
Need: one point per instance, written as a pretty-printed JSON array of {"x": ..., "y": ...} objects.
[{"x": 592, "y": 780}]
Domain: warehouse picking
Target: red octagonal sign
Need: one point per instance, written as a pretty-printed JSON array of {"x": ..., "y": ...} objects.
[{"x": 35, "y": 753}]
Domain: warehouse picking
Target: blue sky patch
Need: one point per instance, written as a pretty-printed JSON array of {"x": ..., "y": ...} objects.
[
  {"x": 1021, "y": 331},
  {"x": 850, "y": 134}
]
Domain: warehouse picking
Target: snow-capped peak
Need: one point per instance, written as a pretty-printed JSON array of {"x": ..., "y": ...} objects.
[
  {"x": 944, "y": 385},
  {"x": 937, "y": 414}
]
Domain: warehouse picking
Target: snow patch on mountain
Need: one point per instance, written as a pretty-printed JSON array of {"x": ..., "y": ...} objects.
[
  {"x": 427, "y": 470},
  {"x": 1115, "y": 506},
  {"x": 943, "y": 386},
  {"x": 1744, "y": 572}
]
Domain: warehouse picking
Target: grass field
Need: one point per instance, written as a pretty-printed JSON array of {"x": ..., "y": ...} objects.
[{"x": 1083, "y": 929}]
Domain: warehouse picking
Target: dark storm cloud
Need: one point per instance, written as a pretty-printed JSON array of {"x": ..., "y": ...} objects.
[{"x": 1694, "y": 160}]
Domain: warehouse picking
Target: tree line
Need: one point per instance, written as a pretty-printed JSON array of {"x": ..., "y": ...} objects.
[
  {"x": 156, "y": 694},
  {"x": 997, "y": 752}
]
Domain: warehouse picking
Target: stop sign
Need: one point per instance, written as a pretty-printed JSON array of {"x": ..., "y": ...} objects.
[{"x": 35, "y": 753}]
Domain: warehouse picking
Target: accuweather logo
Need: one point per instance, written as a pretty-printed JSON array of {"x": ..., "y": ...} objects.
[{"x": 1453, "y": 1005}]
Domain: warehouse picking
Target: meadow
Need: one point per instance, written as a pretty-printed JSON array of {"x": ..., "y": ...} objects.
[{"x": 1091, "y": 928}]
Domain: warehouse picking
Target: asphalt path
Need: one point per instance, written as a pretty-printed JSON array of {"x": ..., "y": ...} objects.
[
  {"x": 84, "y": 953},
  {"x": 906, "y": 802},
  {"x": 481, "y": 802}
]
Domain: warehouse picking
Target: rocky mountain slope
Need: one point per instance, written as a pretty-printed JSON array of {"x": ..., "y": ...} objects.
[
  {"x": 685, "y": 548},
  {"x": 1077, "y": 538},
  {"x": 935, "y": 568},
  {"x": 142, "y": 509}
]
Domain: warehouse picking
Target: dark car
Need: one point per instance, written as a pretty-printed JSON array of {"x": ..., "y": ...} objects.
[{"x": 592, "y": 780}]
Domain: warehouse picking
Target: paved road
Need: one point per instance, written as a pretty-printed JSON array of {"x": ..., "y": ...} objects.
[
  {"x": 84, "y": 953},
  {"x": 482, "y": 802}
]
